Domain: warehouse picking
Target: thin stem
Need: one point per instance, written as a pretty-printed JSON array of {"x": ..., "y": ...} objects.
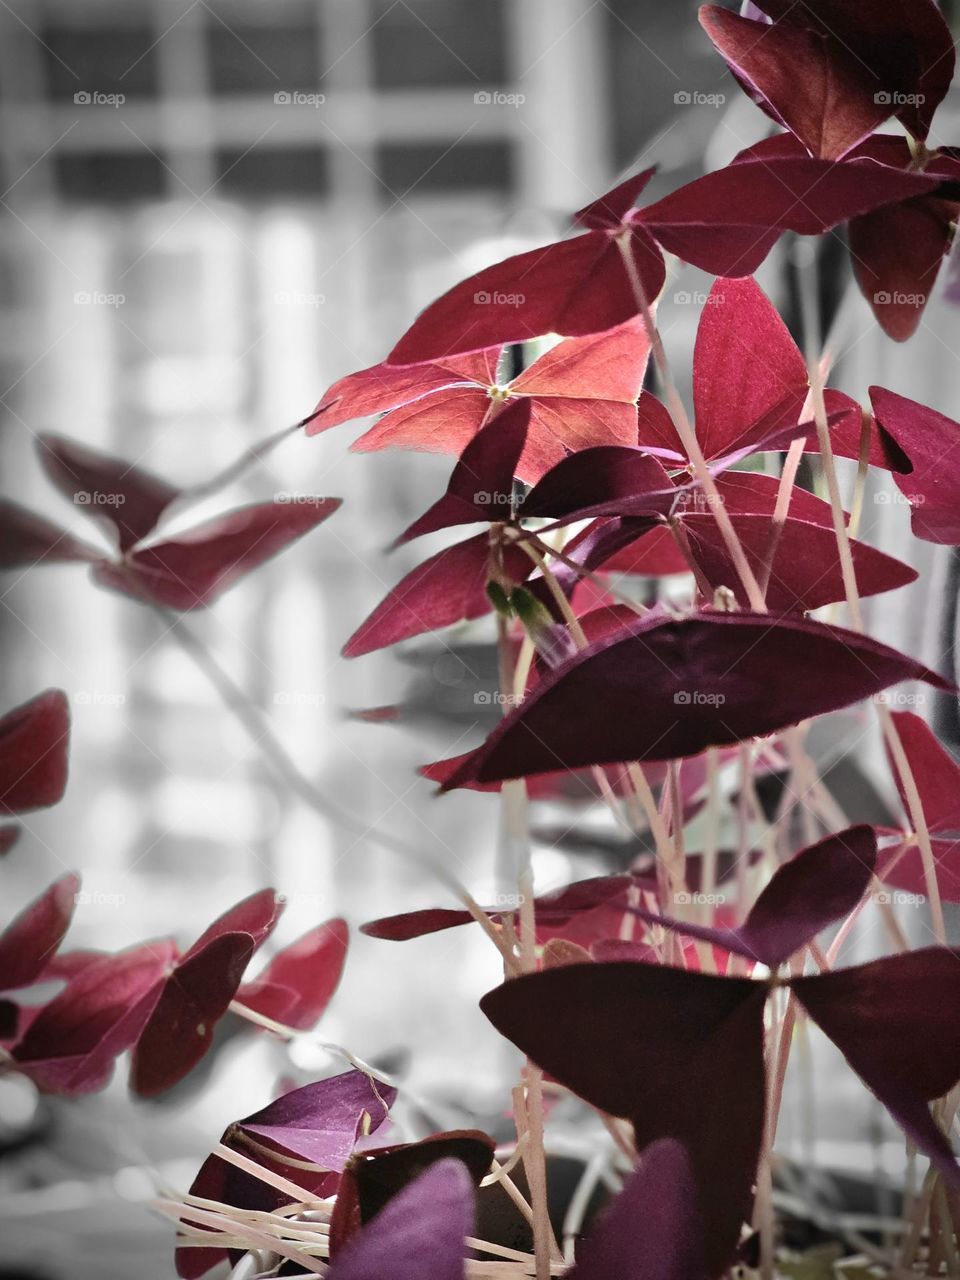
[{"x": 687, "y": 434}]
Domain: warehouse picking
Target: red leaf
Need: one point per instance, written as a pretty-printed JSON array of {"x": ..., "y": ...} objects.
[
  {"x": 604, "y": 480},
  {"x": 573, "y": 287},
  {"x": 682, "y": 1026},
  {"x": 581, "y": 392},
  {"x": 681, "y": 685},
  {"x": 33, "y": 753},
  {"x": 932, "y": 487},
  {"x": 193, "y": 569},
  {"x": 806, "y": 571},
  {"x": 935, "y": 771},
  {"x": 820, "y": 90},
  {"x": 299, "y": 982},
  {"x": 902, "y": 867},
  {"x": 728, "y": 221},
  {"x": 27, "y": 539},
  {"x": 70, "y": 1048},
  {"x": 449, "y": 587},
  {"x": 256, "y": 915},
  {"x": 31, "y": 938},
  {"x": 101, "y": 485}
]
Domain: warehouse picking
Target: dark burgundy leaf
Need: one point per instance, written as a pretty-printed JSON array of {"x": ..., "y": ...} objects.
[
  {"x": 9, "y": 835},
  {"x": 71, "y": 1047},
  {"x": 193, "y": 569},
  {"x": 481, "y": 486},
  {"x": 601, "y": 480},
  {"x": 27, "y": 539},
  {"x": 609, "y": 211},
  {"x": 897, "y": 1022},
  {"x": 449, "y": 587},
  {"x": 681, "y": 685},
  {"x": 102, "y": 485},
  {"x": 652, "y": 1229},
  {"x": 817, "y": 887},
  {"x": 901, "y": 866},
  {"x": 935, "y": 771},
  {"x": 32, "y": 937},
  {"x": 299, "y": 982},
  {"x": 372, "y": 1179},
  {"x": 628, "y": 1034},
  {"x": 33, "y": 753},
  {"x": 419, "y": 1233}
]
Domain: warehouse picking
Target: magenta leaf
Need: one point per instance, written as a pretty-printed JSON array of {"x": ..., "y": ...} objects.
[
  {"x": 193, "y": 569},
  {"x": 321, "y": 1122},
  {"x": 573, "y": 287},
  {"x": 299, "y": 982},
  {"x": 901, "y": 865},
  {"x": 928, "y": 439},
  {"x": 449, "y": 587},
  {"x": 481, "y": 486},
  {"x": 27, "y": 539},
  {"x": 683, "y": 684},
  {"x": 419, "y": 1233},
  {"x": 894, "y": 1021},
  {"x": 817, "y": 887},
  {"x": 71, "y": 1047},
  {"x": 651, "y": 1231},
  {"x": 629, "y": 1032},
  {"x": 30, "y": 940},
  {"x": 33, "y": 753},
  {"x": 256, "y": 915},
  {"x": 101, "y": 485}
]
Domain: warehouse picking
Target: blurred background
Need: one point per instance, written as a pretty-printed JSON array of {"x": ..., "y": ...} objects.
[{"x": 209, "y": 211}]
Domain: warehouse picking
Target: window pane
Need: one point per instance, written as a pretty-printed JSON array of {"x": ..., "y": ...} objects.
[
  {"x": 255, "y": 58},
  {"x": 274, "y": 173},
  {"x": 107, "y": 176},
  {"x": 434, "y": 42},
  {"x": 104, "y": 60}
]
